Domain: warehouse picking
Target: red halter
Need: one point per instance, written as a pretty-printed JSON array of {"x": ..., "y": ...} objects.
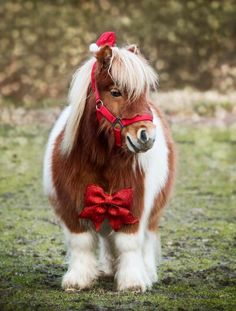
[
  {"x": 117, "y": 123},
  {"x": 109, "y": 38}
]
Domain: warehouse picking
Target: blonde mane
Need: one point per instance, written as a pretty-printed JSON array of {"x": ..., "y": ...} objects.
[{"x": 129, "y": 72}]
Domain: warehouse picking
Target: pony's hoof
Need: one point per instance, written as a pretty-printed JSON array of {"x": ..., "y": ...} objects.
[
  {"x": 136, "y": 289},
  {"x": 72, "y": 281},
  {"x": 71, "y": 290},
  {"x": 132, "y": 283}
]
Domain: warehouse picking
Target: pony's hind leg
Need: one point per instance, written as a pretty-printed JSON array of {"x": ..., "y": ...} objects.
[
  {"x": 106, "y": 259},
  {"x": 83, "y": 265}
]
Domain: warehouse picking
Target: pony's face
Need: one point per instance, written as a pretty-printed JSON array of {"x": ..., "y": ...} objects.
[
  {"x": 139, "y": 136},
  {"x": 136, "y": 137}
]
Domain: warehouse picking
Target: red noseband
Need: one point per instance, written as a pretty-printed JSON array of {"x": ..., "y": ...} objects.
[{"x": 117, "y": 123}]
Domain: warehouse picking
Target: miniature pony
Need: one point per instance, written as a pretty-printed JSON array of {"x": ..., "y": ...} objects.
[{"x": 109, "y": 168}]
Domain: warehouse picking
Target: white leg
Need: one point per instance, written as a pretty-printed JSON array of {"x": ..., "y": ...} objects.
[
  {"x": 105, "y": 256},
  {"x": 83, "y": 266},
  {"x": 152, "y": 254},
  {"x": 131, "y": 272}
]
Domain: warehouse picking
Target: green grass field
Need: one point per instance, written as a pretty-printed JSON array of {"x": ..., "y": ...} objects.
[{"x": 198, "y": 230}]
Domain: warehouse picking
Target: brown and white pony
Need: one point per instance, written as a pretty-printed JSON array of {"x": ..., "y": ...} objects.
[{"x": 82, "y": 150}]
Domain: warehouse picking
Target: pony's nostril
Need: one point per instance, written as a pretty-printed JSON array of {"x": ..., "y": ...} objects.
[{"x": 143, "y": 136}]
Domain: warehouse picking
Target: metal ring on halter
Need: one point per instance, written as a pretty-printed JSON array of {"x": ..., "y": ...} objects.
[
  {"x": 99, "y": 104},
  {"x": 117, "y": 123}
]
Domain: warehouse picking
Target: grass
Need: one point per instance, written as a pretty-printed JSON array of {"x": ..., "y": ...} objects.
[{"x": 198, "y": 231}]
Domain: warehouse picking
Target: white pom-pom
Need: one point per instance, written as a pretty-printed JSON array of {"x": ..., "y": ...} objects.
[{"x": 93, "y": 48}]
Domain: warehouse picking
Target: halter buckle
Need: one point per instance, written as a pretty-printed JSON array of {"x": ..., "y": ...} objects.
[{"x": 117, "y": 124}]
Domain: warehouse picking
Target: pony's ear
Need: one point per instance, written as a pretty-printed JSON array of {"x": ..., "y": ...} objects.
[
  {"x": 104, "y": 56},
  {"x": 133, "y": 49}
]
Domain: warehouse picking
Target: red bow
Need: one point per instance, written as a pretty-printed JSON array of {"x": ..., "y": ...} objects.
[{"x": 98, "y": 205}]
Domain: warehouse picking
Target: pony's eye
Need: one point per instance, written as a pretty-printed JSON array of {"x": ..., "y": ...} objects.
[{"x": 115, "y": 93}]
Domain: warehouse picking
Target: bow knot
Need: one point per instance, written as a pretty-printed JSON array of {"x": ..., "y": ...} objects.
[{"x": 99, "y": 205}]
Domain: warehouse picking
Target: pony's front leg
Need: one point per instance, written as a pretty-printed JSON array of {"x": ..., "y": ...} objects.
[
  {"x": 83, "y": 266},
  {"x": 131, "y": 272},
  {"x": 152, "y": 253}
]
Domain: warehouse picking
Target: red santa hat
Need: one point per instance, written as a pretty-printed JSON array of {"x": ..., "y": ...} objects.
[{"x": 107, "y": 38}]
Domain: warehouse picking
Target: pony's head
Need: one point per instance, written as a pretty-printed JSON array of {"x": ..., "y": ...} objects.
[{"x": 112, "y": 90}]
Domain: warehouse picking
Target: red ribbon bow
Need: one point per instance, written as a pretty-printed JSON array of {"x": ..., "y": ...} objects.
[{"x": 99, "y": 205}]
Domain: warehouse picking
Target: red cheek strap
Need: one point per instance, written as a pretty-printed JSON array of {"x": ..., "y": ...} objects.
[
  {"x": 117, "y": 134},
  {"x": 118, "y": 123}
]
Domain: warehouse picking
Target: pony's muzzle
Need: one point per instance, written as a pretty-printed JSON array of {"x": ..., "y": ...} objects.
[{"x": 143, "y": 140}]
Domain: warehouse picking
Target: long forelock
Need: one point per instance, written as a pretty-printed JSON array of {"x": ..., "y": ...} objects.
[{"x": 131, "y": 72}]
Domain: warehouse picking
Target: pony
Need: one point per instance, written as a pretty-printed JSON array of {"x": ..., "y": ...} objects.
[{"x": 109, "y": 168}]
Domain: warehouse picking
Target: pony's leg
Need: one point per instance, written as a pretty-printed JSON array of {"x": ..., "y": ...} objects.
[
  {"x": 106, "y": 259},
  {"x": 83, "y": 265},
  {"x": 131, "y": 272},
  {"x": 152, "y": 253}
]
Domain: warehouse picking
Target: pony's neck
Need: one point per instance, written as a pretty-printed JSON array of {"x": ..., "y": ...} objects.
[{"x": 94, "y": 143}]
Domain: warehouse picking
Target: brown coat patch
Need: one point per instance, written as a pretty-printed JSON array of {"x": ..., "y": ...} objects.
[{"x": 95, "y": 160}]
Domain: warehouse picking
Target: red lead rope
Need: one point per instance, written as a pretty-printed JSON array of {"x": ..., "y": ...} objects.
[{"x": 117, "y": 123}]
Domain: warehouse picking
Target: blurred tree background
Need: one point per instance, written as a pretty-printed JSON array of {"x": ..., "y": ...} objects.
[{"x": 190, "y": 43}]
